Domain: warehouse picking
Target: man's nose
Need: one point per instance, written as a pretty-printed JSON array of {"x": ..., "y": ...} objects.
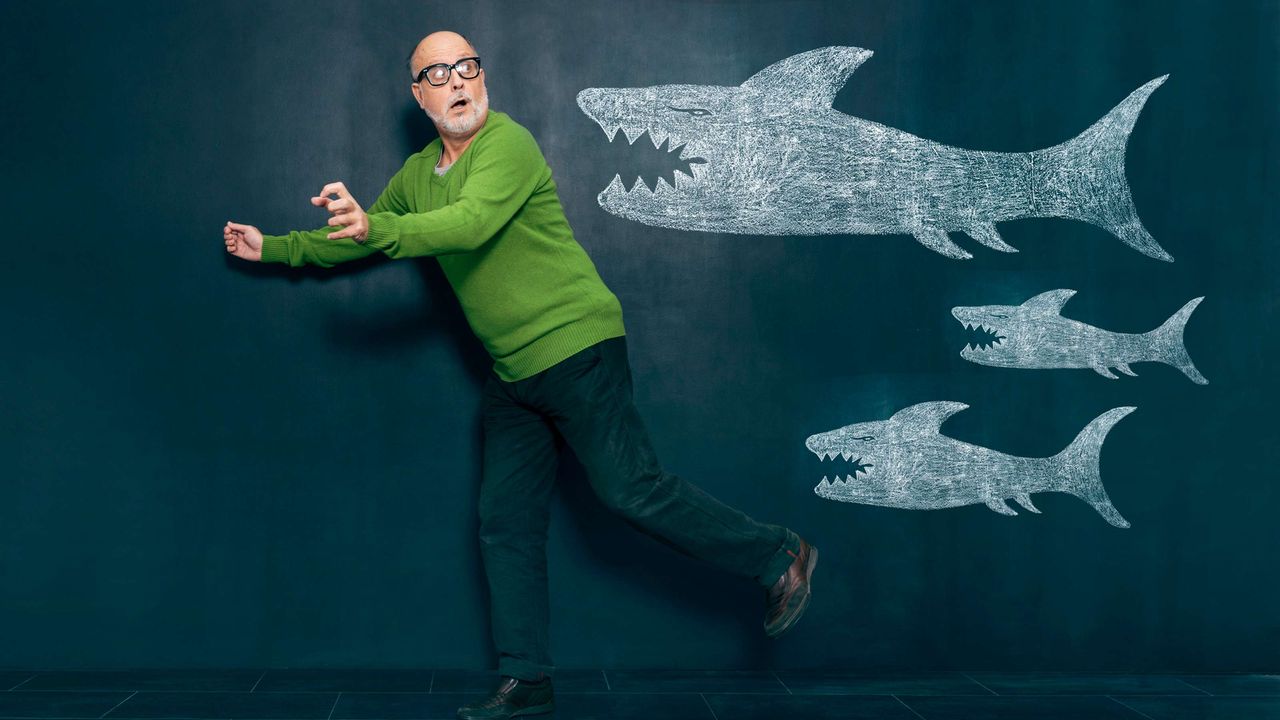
[{"x": 458, "y": 81}]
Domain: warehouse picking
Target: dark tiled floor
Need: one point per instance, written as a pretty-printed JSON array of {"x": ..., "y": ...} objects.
[{"x": 328, "y": 694}]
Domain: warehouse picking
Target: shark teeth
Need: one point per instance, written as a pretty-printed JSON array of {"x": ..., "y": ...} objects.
[
  {"x": 610, "y": 130},
  {"x": 993, "y": 337},
  {"x": 632, "y": 134},
  {"x": 615, "y": 187}
]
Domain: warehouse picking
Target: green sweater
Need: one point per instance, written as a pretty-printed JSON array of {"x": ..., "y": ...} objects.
[{"x": 495, "y": 225}]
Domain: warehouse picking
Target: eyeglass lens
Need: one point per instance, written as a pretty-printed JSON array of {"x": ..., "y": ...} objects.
[{"x": 439, "y": 74}]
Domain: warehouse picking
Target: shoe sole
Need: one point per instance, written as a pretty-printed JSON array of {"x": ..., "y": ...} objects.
[
  {"x": 531, "y": 710},
  {"x": 804, "y": 601}
]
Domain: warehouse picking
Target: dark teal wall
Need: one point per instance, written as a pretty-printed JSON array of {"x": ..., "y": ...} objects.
[{"x": 208, "y": 463}]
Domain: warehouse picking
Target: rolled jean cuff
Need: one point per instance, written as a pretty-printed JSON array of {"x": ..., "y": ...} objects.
[
  {"x": 522, "y": 669},
  {"x": 781, "y": 560}
]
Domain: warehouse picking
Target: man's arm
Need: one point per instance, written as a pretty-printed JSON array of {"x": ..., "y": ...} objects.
[
  {"x": 502, "y": 176},
  {"x": 313, "y": 247}
]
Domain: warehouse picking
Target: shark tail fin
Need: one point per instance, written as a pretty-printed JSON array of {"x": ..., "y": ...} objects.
[
  {"x": 1084, "y": 178},
  {"x": 1081, "y": 466},
  {"x": 1172, "y": 347}
]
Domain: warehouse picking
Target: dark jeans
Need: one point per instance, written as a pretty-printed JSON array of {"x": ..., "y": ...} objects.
[{"x": 587, "y": 399}]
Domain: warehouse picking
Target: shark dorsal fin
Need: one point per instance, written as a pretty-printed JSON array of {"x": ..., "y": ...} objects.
[
  {"x": 812, "y": 77},
  {"x": 1049, "y": 303},
  {"x": 928, "y": 416}
]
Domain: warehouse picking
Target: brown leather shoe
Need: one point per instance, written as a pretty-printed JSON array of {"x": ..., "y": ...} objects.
[
  {"x": 786, "y": 600},
  {"x": 512, "y": 697}
]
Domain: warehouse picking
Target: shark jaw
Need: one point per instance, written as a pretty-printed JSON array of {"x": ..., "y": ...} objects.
[
  {"x": 677, "y": 129},
  {"x": 685, "y": 177},
  {"x": 838, "y": 487},
  {"x": 981, "y": 339}
]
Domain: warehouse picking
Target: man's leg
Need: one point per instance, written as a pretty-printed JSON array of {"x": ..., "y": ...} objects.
[
  {"x": 590, "y": 402},
  {"x": 519, "y": 468}
]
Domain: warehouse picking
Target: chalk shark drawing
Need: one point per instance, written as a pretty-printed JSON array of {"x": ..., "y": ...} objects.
[
  {"x": 1035, "y": 335},
  {"x": 776, "y": 159},
  {"x": 906, "y": 462}
]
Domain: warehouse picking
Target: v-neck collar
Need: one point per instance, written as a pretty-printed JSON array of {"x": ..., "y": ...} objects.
[{"x": 488, "y": 120}]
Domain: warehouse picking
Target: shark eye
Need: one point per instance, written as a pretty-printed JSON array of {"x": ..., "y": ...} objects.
[
  {"x": 865, "y": 438},
  {"x": 998, "y": 315},
  {"x": 696, "y": 112}
]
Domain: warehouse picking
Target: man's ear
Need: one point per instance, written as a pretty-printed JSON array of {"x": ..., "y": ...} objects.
[{"x": 417, "y": 93}]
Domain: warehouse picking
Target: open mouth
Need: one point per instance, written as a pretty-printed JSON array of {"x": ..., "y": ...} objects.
[
  {"x": 979, "y": 337},
  {"x": 858, "y": 467},
  {"x": 459, "y": 103},
  {"x": 669, "y": 158}
]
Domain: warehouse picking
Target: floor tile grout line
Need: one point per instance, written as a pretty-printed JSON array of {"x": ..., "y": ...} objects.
[
  {"x": 605, "y": 675},
  {"x": 984, "y": 687},
  {"x": 666, "y": 691},
  {"x": 24, "y": 682},
  {"x": 802, "y": 693},
  {"x": 709, "y": 708},
  {"x": 113, "y": 707},
  {"x": 775, "y": 677},
  {"x": 1133, "y": 709},
  {"x": 905, "y": 705},
  {"x": 255, "y": 684},
  {"x": 333, "y": 706},
  {"x": 1193, "y": 687}
]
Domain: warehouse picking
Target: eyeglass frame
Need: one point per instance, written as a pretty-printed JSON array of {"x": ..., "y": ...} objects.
[{"x": 451, "y": 67}]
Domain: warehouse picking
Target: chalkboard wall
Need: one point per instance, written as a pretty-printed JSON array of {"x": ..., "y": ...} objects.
[{"x": 211, "y": 463}]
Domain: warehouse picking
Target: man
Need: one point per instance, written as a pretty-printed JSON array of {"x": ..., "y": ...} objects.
[{"x": 481, "y": 200}]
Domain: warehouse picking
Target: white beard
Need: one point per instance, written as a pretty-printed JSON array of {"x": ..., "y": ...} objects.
[{"x": 470, "y": 118}]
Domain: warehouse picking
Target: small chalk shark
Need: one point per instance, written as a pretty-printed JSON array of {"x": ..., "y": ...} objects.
[
  {"x": 905, "y": 462},
  {"x": 1035, "y": 335},
  {"x": 776, "y": 159}
]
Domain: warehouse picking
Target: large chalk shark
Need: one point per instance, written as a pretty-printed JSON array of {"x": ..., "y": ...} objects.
[
  {"x": 905, "y": 462},
  {"x": 1035, "y": 335},
  {"x": 778, "y": 160}
]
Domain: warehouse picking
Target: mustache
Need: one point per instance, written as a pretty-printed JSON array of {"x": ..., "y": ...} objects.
[{"x": 460, "y": 95}]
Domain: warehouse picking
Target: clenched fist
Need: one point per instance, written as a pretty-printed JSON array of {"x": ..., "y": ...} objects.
[
  {"x": 243, "y": 241},
  {"x": 345, "y": 211}
]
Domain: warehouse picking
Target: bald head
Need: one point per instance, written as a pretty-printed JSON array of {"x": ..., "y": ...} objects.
[{"x": 441, "y": 46}]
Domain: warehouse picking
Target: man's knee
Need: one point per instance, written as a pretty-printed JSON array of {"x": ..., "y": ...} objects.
[
  {"x": 628, "y": 497},
  {"x": 501, "y": 524}
]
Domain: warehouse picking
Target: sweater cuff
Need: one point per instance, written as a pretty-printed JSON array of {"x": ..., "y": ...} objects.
[
  {"x": 275, "y": 249},
  {"x": 382, "y": 232}
]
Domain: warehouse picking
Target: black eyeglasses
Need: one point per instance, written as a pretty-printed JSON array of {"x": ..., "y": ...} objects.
[{"x": 438, "y": 74}]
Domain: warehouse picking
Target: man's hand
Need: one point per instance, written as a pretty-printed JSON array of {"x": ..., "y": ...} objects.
[
  {"x": 243, "y": 241},
  {"x": 345, "y": 211}
]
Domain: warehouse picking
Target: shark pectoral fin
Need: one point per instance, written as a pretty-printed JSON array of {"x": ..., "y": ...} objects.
[
  {"x": 998, "y": 505},
  {"x": 1024, "y": 500},
  {"x": 1124, "y": 368},
  {"x": 1104, "y": 372},
  {"x": 936, "y": 240},
  {"x": 987, "y": 234}
]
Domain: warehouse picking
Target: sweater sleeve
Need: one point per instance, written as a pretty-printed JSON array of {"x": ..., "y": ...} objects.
[
  {"x": 313, "y": 247},
  {"x": 504, "y": 171}
]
